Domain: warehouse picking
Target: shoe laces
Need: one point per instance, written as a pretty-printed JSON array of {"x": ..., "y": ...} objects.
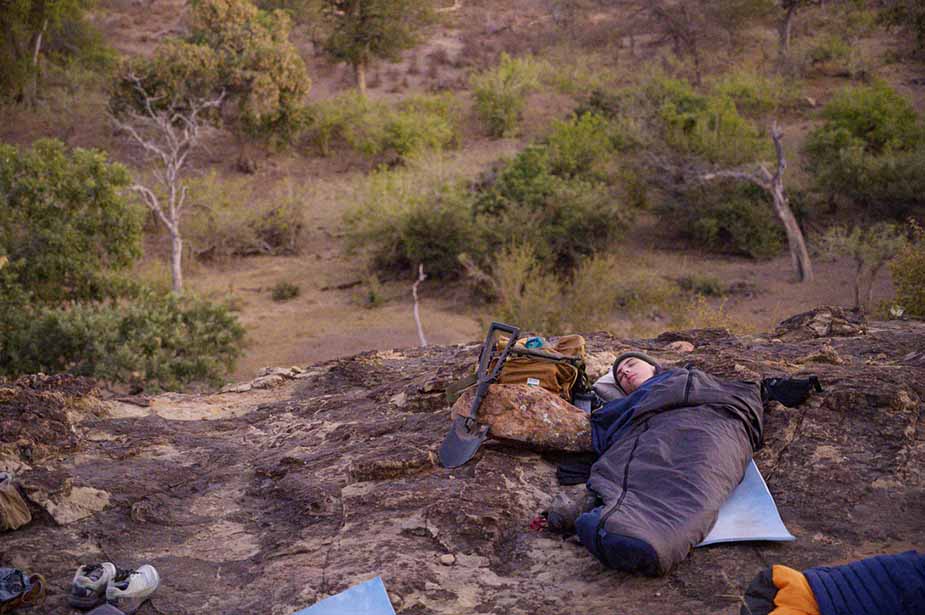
[
  {"x": 123, "y": 577},
  {"x": 93, "y": 571}
]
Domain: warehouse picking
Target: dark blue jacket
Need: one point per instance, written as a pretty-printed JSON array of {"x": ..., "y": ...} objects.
[{"x": 881, "y": 585}]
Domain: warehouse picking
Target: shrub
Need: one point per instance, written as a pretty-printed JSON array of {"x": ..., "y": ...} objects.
[
  {"x": 284, "y": 291},
  {"x": 727, "y": 218},
  {"x": 64, "y": 225},
  {"x": 601, "y": 287},
  {"x": 525, "y": 293},
  {"x": 230, "y": 217},
  {"x": 327, "y": 122},
  {"x": 867, "y": 150},
  {"x": 699, "y": 313},
  {"x": 700, "y": 284},
  {"x": 581, "y": 145},
  {"x": 574, "y": 72},
  {"x": 67, "y": 305},
  {"x": 870, "y": 248},
  {"x": 373, "y": 129},
  {"x": 908, "y": 271},
  {"x": 564, "y": 219},
  {"x": 162, "y": 340},
  {"x": 706, "y": 126},
  {"x": 875, "y": 117},
  {"x": 756, "y": 94},
  {"x": 407, "y": 217},
  {"x": 500, "y": 93}
]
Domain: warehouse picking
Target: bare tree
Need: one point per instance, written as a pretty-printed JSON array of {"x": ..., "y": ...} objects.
[
  {"x": 168, "y": 133},
  {"x": 773, "y": 184},
  {"x": 417, "y": 312},
  {"x": 789, "y": 9}
]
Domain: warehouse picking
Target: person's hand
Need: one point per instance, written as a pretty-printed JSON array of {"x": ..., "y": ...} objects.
[{"x": 791, "y": 392}]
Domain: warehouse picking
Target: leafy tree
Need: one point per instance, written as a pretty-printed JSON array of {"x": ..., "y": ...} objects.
[
  {"x": 695, "y": 26},
  {"x": 870, "y": 248},
  {"x": 64, "y": 227},
  {"x": 233, "y": 49},
  {"x": 869, "y": 151},
  {"x": 259, "y": 67},
  {"x": 26, "y": 29},
  {"x": 692, "y": 137},
  {"x": 363, "y": 30},
  {"x": 67, "y": 236},
  {"x": 788, "y": 13}
]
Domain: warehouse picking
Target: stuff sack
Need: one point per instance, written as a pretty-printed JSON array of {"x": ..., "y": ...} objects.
[
  {"x": 557, "y": 366},
  {"x": 13, "y": 510}
]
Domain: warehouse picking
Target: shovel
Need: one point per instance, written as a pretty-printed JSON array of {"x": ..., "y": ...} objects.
[{"x": 466, "y": 436}]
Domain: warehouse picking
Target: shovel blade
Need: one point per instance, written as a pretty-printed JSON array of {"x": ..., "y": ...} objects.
[{"x": 462, "y": 442}]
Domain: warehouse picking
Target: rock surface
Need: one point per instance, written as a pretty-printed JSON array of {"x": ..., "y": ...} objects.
[
  {"x": 267, "y": 500},
  {"x": 527, "y": 414}
]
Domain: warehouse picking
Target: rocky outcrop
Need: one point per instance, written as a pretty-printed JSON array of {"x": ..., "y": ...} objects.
[
  {"x": 266, "y": 500},
  {"x": 530, "y": 415}
]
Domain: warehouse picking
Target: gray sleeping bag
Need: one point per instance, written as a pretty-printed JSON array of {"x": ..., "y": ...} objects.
[{"x": 669, "y": 455}]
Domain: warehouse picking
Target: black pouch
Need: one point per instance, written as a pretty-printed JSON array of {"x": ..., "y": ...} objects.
[{"x": 791, "y": 392}]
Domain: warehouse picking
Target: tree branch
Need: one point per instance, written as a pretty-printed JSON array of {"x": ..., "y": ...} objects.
[{"x": 417, "y": 313}]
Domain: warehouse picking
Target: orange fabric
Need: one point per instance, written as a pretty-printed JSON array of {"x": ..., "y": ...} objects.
[{"x": 794, "y": 596}]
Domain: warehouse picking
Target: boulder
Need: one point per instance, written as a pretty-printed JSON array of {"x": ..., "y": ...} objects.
[{"x": 530, "y": 415}]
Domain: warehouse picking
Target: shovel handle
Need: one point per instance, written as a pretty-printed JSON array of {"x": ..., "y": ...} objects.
[{"x": 488, "y": 349}]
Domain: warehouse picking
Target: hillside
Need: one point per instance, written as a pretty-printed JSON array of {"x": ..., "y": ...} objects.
[{"x": 346, "y": 307}]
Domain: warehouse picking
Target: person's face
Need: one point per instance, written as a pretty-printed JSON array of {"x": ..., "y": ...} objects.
[{"x": 632, "y": 372}]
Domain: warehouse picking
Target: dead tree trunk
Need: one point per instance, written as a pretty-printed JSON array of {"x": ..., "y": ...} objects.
[
  {"x": 360, "y": 70},
  {"x": 417, "y": 311},
  {"x": 773, "y": 184},
  {"x": 784, "y": 30},
  {"x": 167, "y": 133}
]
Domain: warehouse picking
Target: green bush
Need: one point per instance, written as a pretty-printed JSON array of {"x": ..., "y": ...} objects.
[
  {"x": 500, "y": 93},
  {"x": 868, "y": 150},
  {"x": 600, "y": 288},
  {"x": 417, "y": 124},
  {"x": 284, "y": 291},
  {"x": 407, "y": 217},
  {"x": 65, "y": 226},
  {"x": 709, "y": 127},
  {"x": 700, "y": 284},
  {"x": 727, "y": 218},
  {"x": 67, "y": 236},
  {"x": 161, "y": 340},
  {"x": 908, "y": 271},
  {"x": 756, "y": 94},
  {"x": 230, "y": 217},
  {"x": 565, "y": 219},
  {"x": 580, "y": 146}
]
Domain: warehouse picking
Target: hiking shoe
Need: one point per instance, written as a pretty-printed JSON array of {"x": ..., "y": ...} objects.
[
  {"x": 106, "y": 609},
  {"x": 130, "y": 588},
  {"x": 89, "y": 586},
  {"x": 563, "y": 511}
]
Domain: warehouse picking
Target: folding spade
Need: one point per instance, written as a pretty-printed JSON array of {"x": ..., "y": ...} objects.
[{"x": 466, "y": 435}]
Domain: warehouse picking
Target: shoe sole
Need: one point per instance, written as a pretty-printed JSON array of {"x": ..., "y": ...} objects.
[{"x": 85, "y": 603}]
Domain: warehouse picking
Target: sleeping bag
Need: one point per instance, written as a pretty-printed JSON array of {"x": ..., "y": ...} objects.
[{"x": 669, "y": 455}]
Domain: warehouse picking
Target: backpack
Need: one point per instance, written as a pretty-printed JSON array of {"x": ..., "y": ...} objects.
[{"x": 557, "y": 366}]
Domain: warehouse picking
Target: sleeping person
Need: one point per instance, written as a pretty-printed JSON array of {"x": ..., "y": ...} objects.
[{"x": 671, "y": 447}]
